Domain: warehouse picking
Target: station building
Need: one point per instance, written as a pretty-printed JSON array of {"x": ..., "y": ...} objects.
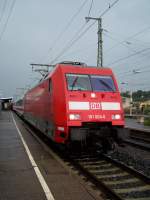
[{"x": 6, "y": 103}]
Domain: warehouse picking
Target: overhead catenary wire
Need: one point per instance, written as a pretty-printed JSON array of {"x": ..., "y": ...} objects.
[
  {"x": 129, "y": 56},
  {"x": 90, "y": 8},
  {"x": 61, "y": 34},
  {"x": 83, "y": 49},
  {"x": 128, "y": 38},
  {"x": 131, "y": 83},
  {"x": 139, "y": 62},
  {"x": 133, "y": 71},
  {"x": 134, "y": 63},
  {"x": 110, "y": 6},
  {"x": 135, "y": 78},
  {"x": 129, "y": 74},
  {"x": 72, "y": 42},
  {"x": 78, "y": 36},
  {"x": 7, "y": 20},
  {"x": 126, "y": 45}
]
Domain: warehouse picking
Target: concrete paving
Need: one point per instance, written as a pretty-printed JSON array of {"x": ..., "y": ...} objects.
[
  {"x": 17, "y": 177},
  {"x": 18, "y": 180}
]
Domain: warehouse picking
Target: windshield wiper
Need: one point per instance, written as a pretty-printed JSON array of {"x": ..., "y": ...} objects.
[
  {"x": 106, "y": 85},
  {"x": 74, "y": 82}
]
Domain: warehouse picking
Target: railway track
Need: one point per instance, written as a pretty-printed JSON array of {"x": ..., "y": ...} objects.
[
  {"x": 139, "y": 139},
  {"x": 142, "y": 135},
  {"x": 138, "y": 143},
  {"x": 117, "y": 179}
]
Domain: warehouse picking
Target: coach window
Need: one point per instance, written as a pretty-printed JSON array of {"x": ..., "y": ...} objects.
[{"x": 50, "y": 86}]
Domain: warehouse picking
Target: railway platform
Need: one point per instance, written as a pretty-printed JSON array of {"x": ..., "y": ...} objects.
[{"x": 28, "y": 171}]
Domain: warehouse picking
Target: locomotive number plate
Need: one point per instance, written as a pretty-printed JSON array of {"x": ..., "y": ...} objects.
[
  {"x": 96, "y": 116},
  {"x": 95, "y": 106}
]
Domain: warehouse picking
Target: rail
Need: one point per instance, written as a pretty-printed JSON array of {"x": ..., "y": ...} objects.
[{"x": 116, "y": 179}]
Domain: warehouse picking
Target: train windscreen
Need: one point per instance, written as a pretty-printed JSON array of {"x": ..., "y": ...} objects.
[
  {"x": 102, "y": 83},
  {"x": 85, "y": 82},
  {"x": 78, "y": 82}
]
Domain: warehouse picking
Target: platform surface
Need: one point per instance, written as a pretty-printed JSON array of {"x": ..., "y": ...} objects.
[
  {"x": 18, "y": 180},
  {"x": 17, "y": 177}
]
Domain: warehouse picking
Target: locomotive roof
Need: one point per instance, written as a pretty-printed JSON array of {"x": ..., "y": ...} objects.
[
  {"x": 73, "y": 68},
  {"x": 80, "y": 69}
]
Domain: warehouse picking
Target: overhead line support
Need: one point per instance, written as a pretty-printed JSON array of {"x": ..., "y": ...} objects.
[{"x": 100, "y": 40}]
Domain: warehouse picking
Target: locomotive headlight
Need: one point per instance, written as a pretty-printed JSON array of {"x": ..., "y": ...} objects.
[
  {"x": 74, "y": 116},
  {"x": 116, "y": 116},
  {"x": 93, "y": 95}
]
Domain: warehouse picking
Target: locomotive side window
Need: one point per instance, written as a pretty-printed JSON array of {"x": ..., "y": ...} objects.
[
  {"x": 50, "y": 86},
  {"x": 78, "y": 82},
  {"x": 102, "y": 83}
]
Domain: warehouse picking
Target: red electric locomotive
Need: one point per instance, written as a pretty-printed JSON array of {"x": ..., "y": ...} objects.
[{"x": 76, "y": 103}]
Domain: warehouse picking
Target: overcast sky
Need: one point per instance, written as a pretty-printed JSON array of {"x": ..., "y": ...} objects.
[{"x": 38, "y": 31}]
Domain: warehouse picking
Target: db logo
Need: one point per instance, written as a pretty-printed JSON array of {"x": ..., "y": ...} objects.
[{"x": 95, "y": 106}]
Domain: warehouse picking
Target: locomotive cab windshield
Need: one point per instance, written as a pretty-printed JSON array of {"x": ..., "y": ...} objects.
[{"x": 96, "y": 83}]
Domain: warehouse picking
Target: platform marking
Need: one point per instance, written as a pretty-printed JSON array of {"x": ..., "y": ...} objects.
[{"x": 41, "y": 179}]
